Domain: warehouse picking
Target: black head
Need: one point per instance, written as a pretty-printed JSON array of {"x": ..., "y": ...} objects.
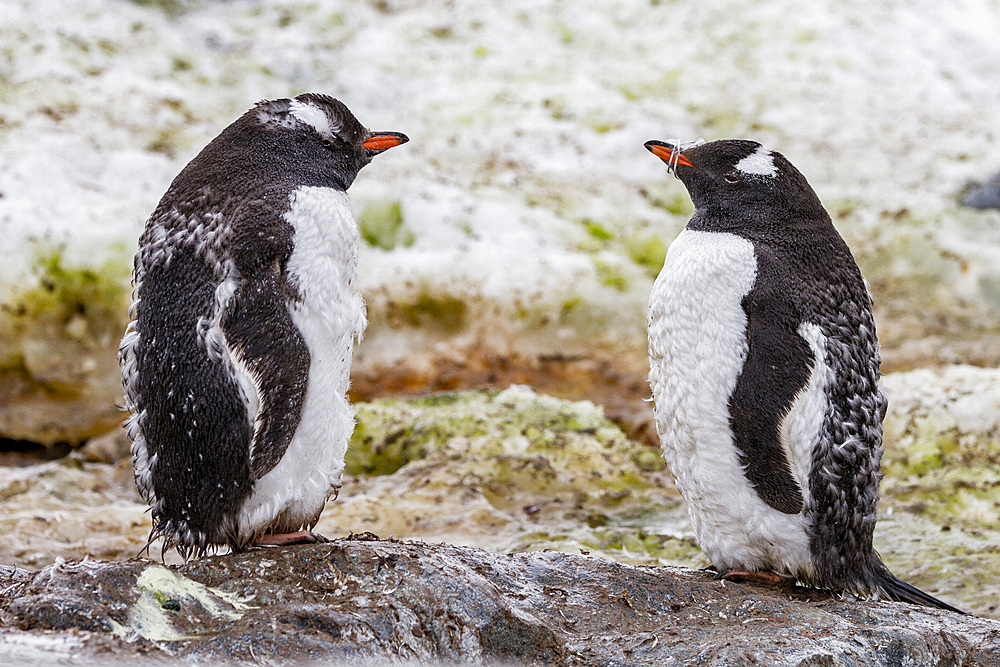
[
  {"x": 740, "y": 180},
  {"x": 329, "y": 129}
]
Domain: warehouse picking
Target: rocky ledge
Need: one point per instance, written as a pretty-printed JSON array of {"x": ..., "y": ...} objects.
[{"x": 362, "y": 599}]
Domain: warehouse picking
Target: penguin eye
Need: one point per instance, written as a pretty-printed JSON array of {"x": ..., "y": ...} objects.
[{"x": 732, "y": 177}]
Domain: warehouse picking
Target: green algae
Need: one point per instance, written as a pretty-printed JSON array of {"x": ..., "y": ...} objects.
[
  {"x": 940, "y": 508},
  {"x": 603, "y": 126},
  {"x": 518, "y": 471},
  {"x": 57, "y": 337},
  {"x": 958, "y": 565},
  {"x": 597, "y": 230},
  {"x": 611, "y": 275},
  {"x": 538, "y": 472},
  {"x": 81, "y": 303},
  {"x": 674, "y": 203},
  {"x": 664, "y": 85},
  {"x": 381, "y": 226},
  {"x": 910, "y": 257},
  {"x": 169, "y": 7},
  {"x": 625, "y": 545},
  {"x": 67, "y": 308},
  {"x": 940, "y": 471},
  {"x": 648, "y": 252},
  {"x": 446, "y": 313},
  {"x": 569, "y": 305},
  {"x": 393, "y": 432}
]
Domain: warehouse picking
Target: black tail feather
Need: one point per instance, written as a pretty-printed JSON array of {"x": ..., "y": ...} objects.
[{"x": 899, "y": 590}]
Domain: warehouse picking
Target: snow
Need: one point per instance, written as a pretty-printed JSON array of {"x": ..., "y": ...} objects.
[{"x": 525, "y": 118}]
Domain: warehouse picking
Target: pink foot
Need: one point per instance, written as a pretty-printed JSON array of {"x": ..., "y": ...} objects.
[
  {"x": 758, "y": 576},
  {"x": 283, "y": 539}
]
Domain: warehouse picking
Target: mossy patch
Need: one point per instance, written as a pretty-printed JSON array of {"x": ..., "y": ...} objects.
[
  {"x": 63, "y": 294},
  {"x": 942, "y": 452},
  {"x": 903, "y": 253},
  {"x": 597, "y": 230},
  {"x": 57, "y": 338},
  {"x": 604, "y": 125},
  {"x": 442, "y": 312},
  {"x": 393, "y": 432},
  {"x": 85, "y": 306},
  {"x": 676, "y": 203},
  {"x": 169, "y": 7},
  {"x": 529, "y": 470},
  {"x": 665, "y": 85},
  {"x": 568, "y": 306},
  {"x": 611, "y": 275},
  {"x": 381, "y": 226},
  {"x": 648, "y": 252},
  {"x": 627, "y": 545}
]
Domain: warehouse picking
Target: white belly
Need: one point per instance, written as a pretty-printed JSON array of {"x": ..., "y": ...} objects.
[
  {"x": 330, "y": 317},
  {"x": 697, "y": 346}
]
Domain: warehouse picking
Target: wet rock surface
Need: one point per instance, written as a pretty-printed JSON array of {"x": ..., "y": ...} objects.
[
  {"x": 516, "y": 471},
  {"x": 368, "y": 599}
]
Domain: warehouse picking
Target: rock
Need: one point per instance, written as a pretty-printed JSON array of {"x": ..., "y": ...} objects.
[
  {"x": 941, "y": 490},
  {"x": 109, "y": 447},
  {"x": 70, "y": 509},
  {"x": 363, "y": 599},
  {"x": 59, "y": 335},
  {"x": 34, "y": 412},
  {"x": 983, "y": 195},
  {"x": 514, "y": 470}
]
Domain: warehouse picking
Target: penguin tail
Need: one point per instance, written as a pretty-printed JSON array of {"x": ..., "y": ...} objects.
[{"x": 897, "y": 589}]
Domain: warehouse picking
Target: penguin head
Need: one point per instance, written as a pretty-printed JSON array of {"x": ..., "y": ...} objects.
[
  {"x": 738, "y": 179},
  {"x": 326, "y": 125}
]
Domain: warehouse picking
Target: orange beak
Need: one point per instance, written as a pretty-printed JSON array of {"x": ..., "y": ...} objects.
[
  {"x": 381, "y": 141},
  {"x": 668, "y": 153}
]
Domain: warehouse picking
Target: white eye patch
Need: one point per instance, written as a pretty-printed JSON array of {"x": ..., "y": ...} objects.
[
  {"x": 758, "y": 163},
  {"x": 311, "y": 115}
]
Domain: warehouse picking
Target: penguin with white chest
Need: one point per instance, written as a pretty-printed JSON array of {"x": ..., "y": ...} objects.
[
  {"x": 764, "y": 367},
  {"x": 237, "y": 362}
]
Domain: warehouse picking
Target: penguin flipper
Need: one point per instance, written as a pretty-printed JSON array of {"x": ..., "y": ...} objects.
[
  {"x": 777, "y": 365},
  {"x": 265, "y": 344}
]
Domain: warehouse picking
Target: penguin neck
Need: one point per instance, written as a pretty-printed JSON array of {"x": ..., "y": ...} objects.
[{"x": 760, "y": 223}]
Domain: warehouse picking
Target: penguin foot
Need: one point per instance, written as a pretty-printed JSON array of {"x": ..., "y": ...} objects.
[
  {"x": 758, "y": 576},
  {"x": 283, "y": 539}
]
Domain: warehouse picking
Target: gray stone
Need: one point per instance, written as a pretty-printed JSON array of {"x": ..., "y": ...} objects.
[
  {"x": 983, "y": 195},
  {"x": 362, "y": 599}
]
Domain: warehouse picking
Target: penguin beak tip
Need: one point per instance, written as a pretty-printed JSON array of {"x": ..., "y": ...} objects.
[
  {"x": 381, "y": 141},
  {"x": 668, "y": 153}
]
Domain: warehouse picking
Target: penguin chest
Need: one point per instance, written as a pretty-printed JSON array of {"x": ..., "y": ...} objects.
[
  {"x": 697, "y": 346},
  {"x": 330, "y": 316}
]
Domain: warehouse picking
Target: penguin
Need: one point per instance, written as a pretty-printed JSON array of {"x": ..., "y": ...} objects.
[
  {"x": 235, "y": 364},
  {"x": 764, "y": 370}
]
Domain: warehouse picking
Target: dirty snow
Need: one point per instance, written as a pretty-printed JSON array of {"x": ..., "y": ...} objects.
[{"x": 525, "y": 118}]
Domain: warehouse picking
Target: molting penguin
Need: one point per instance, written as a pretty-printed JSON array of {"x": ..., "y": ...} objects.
[
  {"x": 237, "y": 362},
  {"x": 764, "y": 367}
]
